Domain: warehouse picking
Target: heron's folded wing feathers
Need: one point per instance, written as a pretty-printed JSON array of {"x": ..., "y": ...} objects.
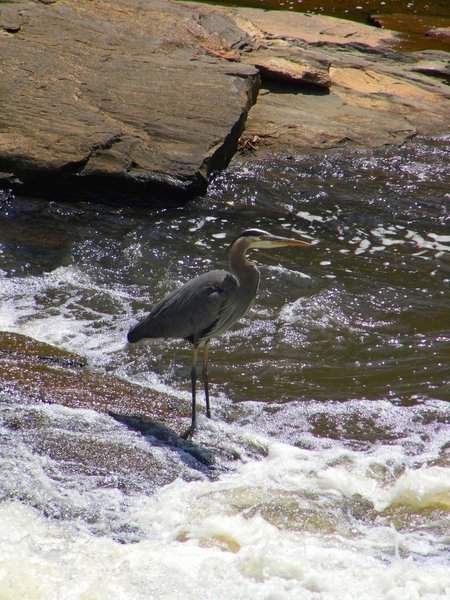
[{"x": 189, "y": 310}]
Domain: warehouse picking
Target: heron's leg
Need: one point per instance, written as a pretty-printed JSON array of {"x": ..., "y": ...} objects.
[
  {"x": 191, "y": 429},
  {"x": 205, "y": 378}
]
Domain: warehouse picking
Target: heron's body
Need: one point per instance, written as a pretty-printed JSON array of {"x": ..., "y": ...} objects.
[
  {"x": 195, "y": 312},
  {"x": 209, "y": 304}
]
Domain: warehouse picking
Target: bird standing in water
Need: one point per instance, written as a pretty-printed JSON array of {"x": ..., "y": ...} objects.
[{"x": 209, "y": 304}]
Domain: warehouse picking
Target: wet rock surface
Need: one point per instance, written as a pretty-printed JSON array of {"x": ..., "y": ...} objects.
[
  {"x": 47, "y": 374},
  {"x": 116, "y": 433},
  {"x": 36, "y": 374}
]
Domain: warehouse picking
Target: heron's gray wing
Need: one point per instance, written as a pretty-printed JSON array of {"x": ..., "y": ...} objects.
[{"x": 189, "y": 311}]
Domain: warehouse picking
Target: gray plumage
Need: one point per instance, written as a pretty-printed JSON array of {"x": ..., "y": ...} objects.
[
  {"x": 209, "y": 304},
  {"x": 203, "y": 307}
]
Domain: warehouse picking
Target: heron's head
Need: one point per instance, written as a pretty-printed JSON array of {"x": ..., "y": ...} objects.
[{"x": 257, "y": 238}]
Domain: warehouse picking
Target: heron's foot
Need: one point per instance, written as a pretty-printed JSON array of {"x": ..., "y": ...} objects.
[{"x": 187, "y": 435}]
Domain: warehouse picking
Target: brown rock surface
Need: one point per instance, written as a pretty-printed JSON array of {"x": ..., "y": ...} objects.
[
  {"x": 376, "y": 95},
  {"x": 33, "y": 373},
  {"x": 433, "y": 63},
  {"x": 439, "y": 32},
  {"x": 312, "y": 29},
  {"x": 128, "y": 97},
  {"x": 144, "y": 101},
  {"x": 47, "y": 374},
  {"x": 289, "y": 67}
]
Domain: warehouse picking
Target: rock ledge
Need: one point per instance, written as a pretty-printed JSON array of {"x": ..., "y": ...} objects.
[
  {"x": 141, "y": 102},
  {"x": 118, "y": 100}
]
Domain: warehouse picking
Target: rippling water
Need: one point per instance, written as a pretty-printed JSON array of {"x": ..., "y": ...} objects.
[{"x": 333, "y": 391}]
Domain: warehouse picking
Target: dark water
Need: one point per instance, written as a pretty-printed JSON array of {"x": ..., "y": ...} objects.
[
  {"x": 344, "y": 360},
  {"x": 362, "y": 314},
  {"x": 414, "y": 19}
]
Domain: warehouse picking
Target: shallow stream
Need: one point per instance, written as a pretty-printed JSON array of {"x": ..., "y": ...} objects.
[{"x": 333, "y": 392}]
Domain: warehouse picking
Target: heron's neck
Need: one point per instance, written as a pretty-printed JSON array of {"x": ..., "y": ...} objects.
[{"x": 239, "y": 263}]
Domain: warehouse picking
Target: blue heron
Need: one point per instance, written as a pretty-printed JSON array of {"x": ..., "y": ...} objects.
[{"x": 209, "y": 304}]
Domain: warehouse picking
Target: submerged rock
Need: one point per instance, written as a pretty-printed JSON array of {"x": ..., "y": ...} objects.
[
  {"x": 40, "y": 373},
  {"x": 416, "y": 28},
  {"x": 439, "y": 32}
]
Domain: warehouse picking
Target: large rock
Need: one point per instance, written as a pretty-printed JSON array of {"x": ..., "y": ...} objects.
[
  {"x": 365, "y": 93},
  {"x": 33, "y": 373},
  {"x": 44, "y": 373},
  {"x": 119, "y": 98},
  {"x": 309, "y": 28},
  {"x": 142, "y": 101}
]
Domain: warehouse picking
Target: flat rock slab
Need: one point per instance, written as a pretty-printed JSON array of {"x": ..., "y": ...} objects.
[
  {"x": 124, "y": 432},
  {"x": 366, "y": 93},
  {"x": 311, "y": 29},
  {"x": 141, "y": 102},
  {"x": 123, "y": 99},
  {"x": 289, "y": 67}
]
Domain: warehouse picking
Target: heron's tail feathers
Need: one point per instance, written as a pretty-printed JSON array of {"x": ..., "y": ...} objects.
[
  {"x": 150, "y": 327},
  {"x": 134, "y": 335}
]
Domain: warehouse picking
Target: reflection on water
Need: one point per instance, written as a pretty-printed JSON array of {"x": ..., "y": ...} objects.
[{"x": 338, "y": 379}]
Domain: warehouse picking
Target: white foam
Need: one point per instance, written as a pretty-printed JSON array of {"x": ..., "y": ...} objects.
[
  {"x": 391, "y": 242},
  {"x": 275, "y": 528},
  {"x": 323, "y": 311},
  {"x": 383, "y": 234},
  {"x": 421, "y": 242},
  {"x": 285, "y": 270},
  {"x": 363, "y": 245},
  {"x": 51, "y": 308},
  {"x": 440, "y": 238},
  {"x": 420, "y": 489},
  {"x": 381, "y": 231},
  {"x": 197, "y": 224},
  {"x": 310, "y": 217}
]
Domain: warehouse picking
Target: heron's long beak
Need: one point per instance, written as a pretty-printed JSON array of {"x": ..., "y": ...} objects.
[{"x": 274, "y": 241}]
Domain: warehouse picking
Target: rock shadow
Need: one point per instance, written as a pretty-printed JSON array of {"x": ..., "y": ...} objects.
[
  {"x": 285, "y": 87},
  {"x": 196, "y": 457}
]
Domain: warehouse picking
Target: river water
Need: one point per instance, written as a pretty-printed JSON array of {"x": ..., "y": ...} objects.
[
  {"x": 330, "y": 399},
  {"x": 412, "y": 19}
]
